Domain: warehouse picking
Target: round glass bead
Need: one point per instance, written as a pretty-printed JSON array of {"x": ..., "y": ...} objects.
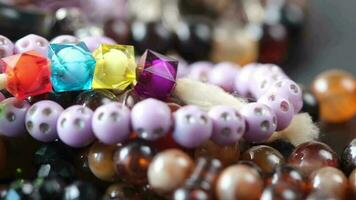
[
  {"x": 348, "y": 158},
  {"x": 95, "y": 98}
]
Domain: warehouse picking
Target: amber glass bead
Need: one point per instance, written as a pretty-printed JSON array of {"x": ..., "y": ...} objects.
[
  {"x": 200, "y": 184},
  {"x": 311, "y": 156},
  {"x": 336, "y": 93},
  {"x": 267, "y": 158},
  {"x": 227, "y": 154},
  {"x": 281, "y": 191},
  {"x": 132, "y": 160},
  {"x": 352, "y": 183},
  {"x": 121, "y": 191},
  {"x": 329, "y": 180},
  {"x": 100, "y": 160},
  {"x": 239, "y": 182},
  {"x": 169, "y": 169},
  {"x": 348, "y": 158},
  {"x": 290, "y": 176}
]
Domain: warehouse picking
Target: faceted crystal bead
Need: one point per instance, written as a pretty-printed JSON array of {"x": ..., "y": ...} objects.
[
  {"x": 72, "y": 67},
  {"x": 157, "y": 75},
  {"x": 28, "y": 74},
  {"x": 115, "y": 67}
]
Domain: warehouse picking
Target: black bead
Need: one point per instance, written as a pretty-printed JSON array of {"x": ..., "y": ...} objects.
[
  {"x": 310, "y": 104},
  {"x": 348, "y": 158},
  {"x": 80, "y": 190},
  {"x": 51, "y": 188},
  {"x": 58, "y": 168},
  {"x": 283, "y": 146}
]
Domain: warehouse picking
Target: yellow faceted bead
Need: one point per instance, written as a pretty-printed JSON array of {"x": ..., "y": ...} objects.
[{"x": 115, "y": 67}]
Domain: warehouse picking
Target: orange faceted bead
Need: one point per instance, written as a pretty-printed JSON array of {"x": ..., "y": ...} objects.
[
  {"x": 27, "y": 74},
  {"x": 336, "y": 93}
]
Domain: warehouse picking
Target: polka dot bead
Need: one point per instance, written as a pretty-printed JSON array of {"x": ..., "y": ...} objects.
[
  {"x": 151, "y": 119},
  {"x": 261, "y": 122},
  {"x": 6, "y": 47},
  {"x": 223, "y": 75},
  {"x": 74, "y": 126},
  {"x": 192, "y": 126},
  {"x": 228, "y": 125},
  {"x": 32, "y": 42},
  {"x": 12, "y": 117},
  {"x": 281, "y": 107},
  {"x": 288, "y": 89},
  {"x": 41, "y": 120},
  {"x": 111, "y": 123},
  {"x": 242, "y": 79},
  {"x": 65, "y": 39},
  {"x": 200, "y": 71}
]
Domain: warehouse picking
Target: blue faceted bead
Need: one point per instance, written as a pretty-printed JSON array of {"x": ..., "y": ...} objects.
[{"x": 72, "y": 67}]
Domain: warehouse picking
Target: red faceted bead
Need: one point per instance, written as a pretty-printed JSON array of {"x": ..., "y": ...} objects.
[{"x": 28, "y": 74}]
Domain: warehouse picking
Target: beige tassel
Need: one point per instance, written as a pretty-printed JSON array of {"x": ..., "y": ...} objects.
[{"x": 206, "y": 96}]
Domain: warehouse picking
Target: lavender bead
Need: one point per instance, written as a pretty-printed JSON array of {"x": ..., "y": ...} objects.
[
  {"x": 281, "y": 107},
  {"x": 65, "y": 39},
  {"x": 192, "y": 126},
  {"x": 32, "y": 42},
  {"x": 12, "y": 117},
  {"x": 41, "y": 120},
  {"x": 260, "y": 121},
  {"x": 111, "y": 123},
  {"x": 228, "y": 125},
  {"x": 183, "y": 69},
  {"x": 200, "y": 71},
  {"x": 242, "y": 79},
  {"x": 6, "y": 47},
  {"x": 93, "y": 42},
  {"x": 288, "y": 89},
  {"x": 223, "y": 75},
  {"x": 74, "y": 126},
  {"x": 151, "y": 119}
]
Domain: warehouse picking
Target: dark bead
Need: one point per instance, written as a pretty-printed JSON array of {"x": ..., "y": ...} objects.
[
  {"x": 313, "y": 155},
  {"x": 51, "y": 188},
  {"x": 121, "y": 192},
  {"x": 49, "y": 153},
  {"x": 129, "y": 98},
  {"x": 280, "y": 192},
  {"x": 283, "y": 146},
  {"x": 68, "y": 21},
  {"x": 58, "y": 168},
  {"x": 80, "y": 190},
  {"x": 348, "y": 158},
  {"x": 310, "y": 105},
  {"x": 290, "y": 176},
  {"x": 194, "y": 39},
  {"x": 95, "y": 98},
  {"x": 132, "y": 160},
  {"x": 118, "y": 30},
  {"x": 267, "y": 158},
  {"x": 151, "y": 35}
]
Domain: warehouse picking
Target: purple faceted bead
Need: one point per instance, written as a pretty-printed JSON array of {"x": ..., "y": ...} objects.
[
  {"x": 288, "y": 89},
  {"x": 228, "y": 125},
  {"x": 32, "y": 42},
  {"x": 93, "y": 42},
  {"x": 281, "y": 107},
  {"x": 260, "y": 122},
  {"x": 223, "y": 75},
  {"x": 6, "y": 47},
  {"x": 74, "y": 126},
  {"x": 111, "y": 123},
  {"x": 41, "y": 120},
  {"x": 157, "y": 75},
  {"x": 151, "y": 119},
  {"x": 12, "y": 117},
  {"x": 65, "y": 39},
  {"x": 192, "y": 126},
  {"x": 200, "y": 71},
  {"x": 242, "y": 79}
]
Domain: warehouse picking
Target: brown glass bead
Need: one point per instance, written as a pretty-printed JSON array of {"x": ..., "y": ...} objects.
[
  {"x": 121, "y": 191},
  {"x": 200, "y": 184},
  {"x": 227, "y": 154},
  {"x": 290, "y": 176},
  {"x": 311, "y": 156},
  {"x": 319, "y": 195},
  {"x": 267, "y": 158},
  {"x": 239, "y": 182},
  {"x": 329, "y": 180},
  {"x": 348, "y": 159},
  {"x": 100, "y": 160},
  {"x": 336, "y": 93},
  {"x": 280, "y": 191},
  {"x": 132, "y": 160},
  {"x": 169, "y": 169},
  {"x": 352, "y": 183}
]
